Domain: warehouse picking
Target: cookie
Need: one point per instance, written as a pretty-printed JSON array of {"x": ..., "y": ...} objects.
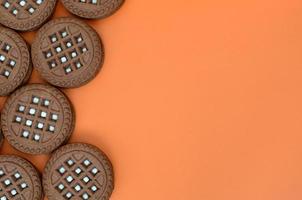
[
  {"x": 25, "y": 15},
  {"x": 67, "y": 52},
  {"x": 1, "y": 138},
  {"x": 19, "y": 179},
  {"x": 92, "y": 9},
  {"x": 15, "y": 62},
  {"x": 37, "y": 119},
  {"x": 78, "y": 171}
]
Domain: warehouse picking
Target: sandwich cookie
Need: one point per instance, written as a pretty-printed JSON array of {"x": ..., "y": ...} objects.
[
  {"x": 37, "y": 119},
  {"x": 15, "y": 62},
  {"x": 25, "y": 15},
  {"x": 19, "y": 179},
  {"x": 79, "y": 172},
  {"x": 92, "y": 9},
  {"x": 67, "y": 52}
]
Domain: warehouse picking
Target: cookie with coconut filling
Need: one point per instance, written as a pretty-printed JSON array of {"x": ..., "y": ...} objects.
[
  {"x": 78, "y": 171},
  {"x": 19, "y": 179},
  {"x": 25, "y": 15},
  {"x": 67, "y": 52},
  {"x": 93, "y": 9},
  {"x": 37, "y": 119},
  {"x": 15, "y": 62}
]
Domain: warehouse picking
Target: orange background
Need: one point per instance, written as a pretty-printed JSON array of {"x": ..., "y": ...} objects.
[{"x": 197, "y": 100}]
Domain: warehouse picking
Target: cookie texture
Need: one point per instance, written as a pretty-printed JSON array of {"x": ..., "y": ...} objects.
[
  {"x": 67, "y": 52},
  {"x": 80, "y": 172},
  {"x": 92, "y": 9},
  {"x": 1, "y": 138},
  {"x": 19, "y": 179},
  {"x": 26, "y": 15},
  {"x": 37, "y": 119},
  {"x": 15, "y": 62}
]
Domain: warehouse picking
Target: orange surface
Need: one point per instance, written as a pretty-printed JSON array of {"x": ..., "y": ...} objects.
[{"x": 197, "y": 100}]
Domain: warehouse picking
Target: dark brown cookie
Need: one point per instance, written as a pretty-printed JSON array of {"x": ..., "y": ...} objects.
[
  {"x": 92, "y": 9},
  {"x": 37, "y": 119},
  {"x": 25, "y": 15},
  {"x": 15, "y": 63},
  {"x": 78, "y": 171},
  {"x": 67, "y": 52},
  {"x": 18, "y": 179}
]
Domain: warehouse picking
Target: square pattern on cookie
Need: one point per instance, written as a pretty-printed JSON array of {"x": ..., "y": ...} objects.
[
  {"x": 12, "y": 184},
  {"x": 21, "y": 7},
  {"x": 7, "y": 62},
  {"x": 36, "y": 118},
  {"x": 77, "y": 179},
  {"x": 66, "y": 50}
]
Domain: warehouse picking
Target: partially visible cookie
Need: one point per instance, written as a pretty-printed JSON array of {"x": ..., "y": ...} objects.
[
  {"x": 67, "y": 52},
  {"x": 92, "y": 9},
  {"x": 15, "y": 62},
  {"x": 80, "y": 172},
  {"x": 19, "y": 179},
  {"x": 37, "y": 119},
  {"x": 25, "y": 15},
  {"x": 1, "y": 138}
]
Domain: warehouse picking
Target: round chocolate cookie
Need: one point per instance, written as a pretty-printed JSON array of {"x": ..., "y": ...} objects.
[
  {"x": 25, "y": 15},
  {"x": 15, "y": 63},
  {"x": 92, "y": 9},
  {"x": 37, "y": 119},
  {"x": 78, "y": 171},
  {"x": 67, "y": 52},
  {"x": 19, "y": 179}
]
